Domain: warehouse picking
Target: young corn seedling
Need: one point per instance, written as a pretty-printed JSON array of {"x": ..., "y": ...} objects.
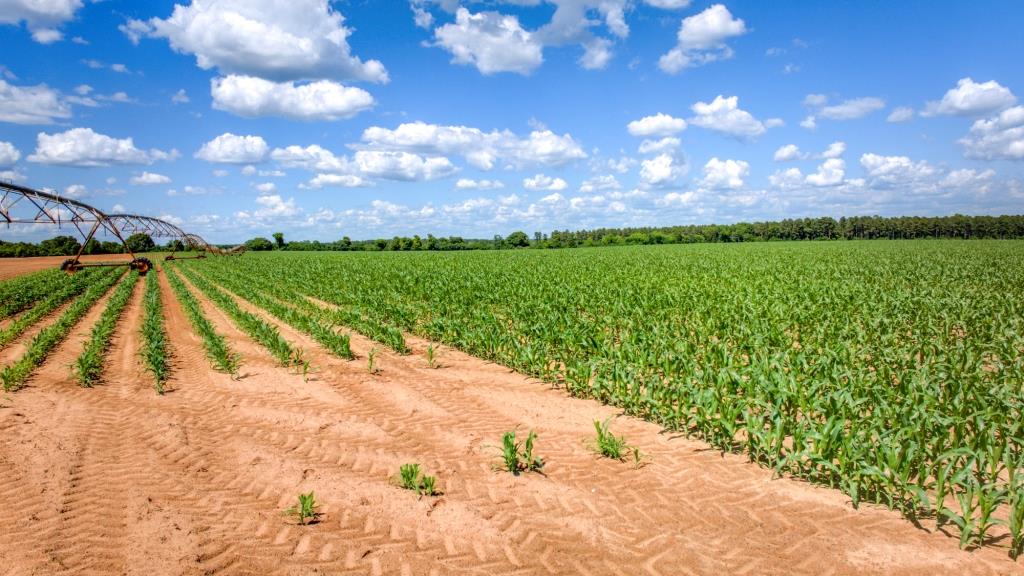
[
  {"x": 305, "y": 511},
  {"x": 371, "y": 361},
  {"x": 609, "y": 445},
  {"x": 519, "y": 456},
  {"x": 301, "y": 364},
  {"x": 410, "y": 478},
  {"x": 432, "y": 356}
]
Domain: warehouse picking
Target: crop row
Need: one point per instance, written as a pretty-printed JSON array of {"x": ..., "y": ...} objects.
[
  {"x": 300, "y": 314},
  {"x": 89, "y": 364},
  {"x": 216, "y": 346},
  {"x": 61, "y": 289},
  {"x": 255, "y": 327},
  {"x": 14, "y": 375},
  {"x": 155, "y": 354},
  {"x": 19, "y": 293}
]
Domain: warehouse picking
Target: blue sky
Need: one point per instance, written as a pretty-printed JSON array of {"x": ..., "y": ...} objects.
[{"x": 374, "y": 118}]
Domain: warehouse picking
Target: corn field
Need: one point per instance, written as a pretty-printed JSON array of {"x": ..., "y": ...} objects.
[{"x": 891, "y": 371}]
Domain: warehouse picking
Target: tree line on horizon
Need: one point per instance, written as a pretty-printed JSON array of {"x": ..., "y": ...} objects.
[{"x": 824, "y": 228}]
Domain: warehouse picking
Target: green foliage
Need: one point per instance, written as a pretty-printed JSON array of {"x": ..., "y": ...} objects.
[
  {"x": 13, "y": 376},
  {"x": 411, "y": 478},
  {"x": 154, "y": 335},
  {"x": 305, "y": 511},
  {"x": 216, "y": 346},
  {"x": 431, "y": 356},
  {"x": 611, "y": 446},
  {"x": 59, "y": 246},
  {"x": 89, "y": 365},
  {"x": 140, "y": 242},
  {"x": 518, "y": 455},
  {"x": 259, "y": 244},
  {"x": 279, "y": 240},
  {"x": 294, "y": 311},
  {"x": 517, "y": 239},
  {"x": 21, "y": 292},
  {"x": 264, "y": 333},
  {"x": 49, "y": 292},
  {"x": 888, "y": 370}
]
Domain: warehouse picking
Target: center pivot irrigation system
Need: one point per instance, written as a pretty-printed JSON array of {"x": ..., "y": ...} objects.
[{"x": 23, "y": 205}]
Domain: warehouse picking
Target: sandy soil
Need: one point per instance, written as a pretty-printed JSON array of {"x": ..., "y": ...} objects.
[
  {"x": 119, "y": 480},
  {"x": 11, "y": 267}
]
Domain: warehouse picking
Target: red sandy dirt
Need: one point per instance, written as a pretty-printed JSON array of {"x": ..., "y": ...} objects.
[
  {"x": 119, "y": 480},
  {"x": 11, "y": 267}
]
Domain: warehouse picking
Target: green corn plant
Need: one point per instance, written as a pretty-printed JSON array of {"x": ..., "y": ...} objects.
[
  {"x": 305, "y": 512},
  {"x": 519, "y": 456},
  {"x": 301, "y": 364},
  {"x": 609, "y": 445},
  {"x": 428, "y": 486},
  {"x": 411, "y": 478},
  {"x": 371, "y": 361},
  {"x": 431, "y": 356}
]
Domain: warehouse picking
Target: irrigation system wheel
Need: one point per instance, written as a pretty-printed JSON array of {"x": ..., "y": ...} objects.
[
  {"x": 142, "y": 265},
  {"x": 71, "y": 265}
]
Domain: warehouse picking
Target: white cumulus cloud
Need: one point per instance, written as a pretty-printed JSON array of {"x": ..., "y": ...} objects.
[
  {"x": 321, "y": 100},
  {"x": 150, "y": 179},
  {"x": 542, "y": 182},
  {"x": 658, "y": 125},
  {"x": 724, "y": 115},
  {"x": 971, "y": 98},
  {"x": 724, "y": 173},
  {"x": 294, "y": 40},
  {"x": 999, "y": 137},
  {"x": 9, "y": 155},
  {"x": 662, "y": 170},
  {"x": 491, "y": 41},
  {"x": 229, "y": 148},
  {"x": 702, "y": 39},
  {"x": 469, "y": 184},
  {"x": 42, "y": 17},
  {"x": 31, "y": 104},
  {"x": 84, "y": 147},
  {"x": 481, "y": 149},
  {"x": 788, "y": 152},
  {"x": 830, "y": 173}
]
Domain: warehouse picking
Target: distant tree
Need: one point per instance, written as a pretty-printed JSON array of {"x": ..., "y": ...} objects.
[
  {"x": 417, "y": 242},
  {"x": 93, "y": 246},
  {"x": 518, "y": 239},
  {"x": 59, "y": 246},
  {"x": 112, "y": 247},
  {"x": 279, "y": 240},
  {"x": 176, "y": 245},
  {"x": 259, "y": 244},
  {"x": 140, "y": 242},
  {"x": 346, "y": 243}
]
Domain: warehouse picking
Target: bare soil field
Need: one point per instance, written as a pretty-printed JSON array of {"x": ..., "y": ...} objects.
[
  {"x": 11, "y": 267},
  {"x": 118, "y": 480}
]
